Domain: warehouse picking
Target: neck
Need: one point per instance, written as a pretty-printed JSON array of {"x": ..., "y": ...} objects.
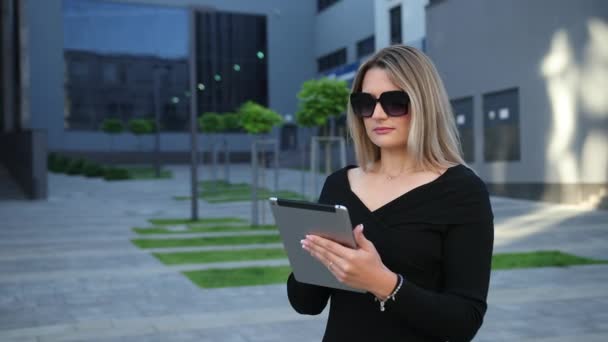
[{"x": 394, "y": 162}]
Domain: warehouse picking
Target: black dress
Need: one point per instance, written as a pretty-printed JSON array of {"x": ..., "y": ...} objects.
[{"x": 439, "y": 236}]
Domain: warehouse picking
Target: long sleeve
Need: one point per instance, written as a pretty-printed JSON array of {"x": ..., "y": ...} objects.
[
  {"x": 307, "y": 298},
  {"x": 456, "y": 312}
]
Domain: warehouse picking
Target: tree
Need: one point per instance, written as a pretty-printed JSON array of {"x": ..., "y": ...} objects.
[
  {"x": 210, "y": 122},
  {"x": 257, "y": 119},
  {"x": 112, "y": 127},
  {"x": 319, "y": 100},
  {"x": 140, "y": 127}
]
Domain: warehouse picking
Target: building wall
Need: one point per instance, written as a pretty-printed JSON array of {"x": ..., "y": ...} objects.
[
  {"x": 412, "y": 21},
  {"x": 342, "y": 25},
  {"x": 553, "y": 52},
  {"x": 289, "y": 25}
]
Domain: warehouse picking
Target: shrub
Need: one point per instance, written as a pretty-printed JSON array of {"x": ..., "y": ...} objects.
[
  {"x": 232, "y": 122},
  {"x": 92, "y": 169},
  {"x": 112, "y": 126},
  {"x": 116, "y": 173},
  {"x": 211, "y": 123},
  {"x": 58, "y": 163},
  {"x": 75, "y": 167},
  {"x": 257, "y": 119},
  {"x": 141, "y": 126}
]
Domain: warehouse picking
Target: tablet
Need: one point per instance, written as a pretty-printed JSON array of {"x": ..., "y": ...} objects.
[{"x": 296, "y": 219}]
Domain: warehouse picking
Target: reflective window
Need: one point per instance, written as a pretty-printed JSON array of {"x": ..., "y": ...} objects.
[
  {"x": 501, "y": 125},
  {"x": 113, "y": 52}
]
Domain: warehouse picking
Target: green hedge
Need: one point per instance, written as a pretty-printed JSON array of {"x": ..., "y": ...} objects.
[
  {"x": 58, "y": 163},
  {"x": 75, "y": 167},
  {"x": 92, "y": 169},
  {"x": 116, "y": 173}
]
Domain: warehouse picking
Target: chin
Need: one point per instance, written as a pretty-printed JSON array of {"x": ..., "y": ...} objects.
[{"x": 388, "y": 143}]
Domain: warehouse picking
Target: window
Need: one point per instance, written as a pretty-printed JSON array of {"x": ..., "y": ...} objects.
[
  {"x": 108, "y": 81},
  {"x": 323, "y": 4},
  {"x": 232, "y": 61},
  {"x": 501, "y": 125},
  {"x": 331, "y": 60},
  {"x": 110, "y": 73},
  {"x": 463, "y": 115},
  {"x": 365, "y": 47},
  {"x": 395, "y": 25}
]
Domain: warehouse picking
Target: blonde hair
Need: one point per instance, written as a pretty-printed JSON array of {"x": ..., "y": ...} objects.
[{"x": 433, "y": 140}]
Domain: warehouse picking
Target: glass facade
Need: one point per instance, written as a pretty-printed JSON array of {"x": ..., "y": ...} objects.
[
  {"x": 232, "y": 60},
  {"x": 113, "y": 53}
]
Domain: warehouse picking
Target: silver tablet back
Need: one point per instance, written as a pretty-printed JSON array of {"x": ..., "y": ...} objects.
[{"x": 296, "y": 221}]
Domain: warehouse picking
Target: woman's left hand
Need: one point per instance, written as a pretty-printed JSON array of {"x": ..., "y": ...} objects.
[{"x": 360, "y": 268}]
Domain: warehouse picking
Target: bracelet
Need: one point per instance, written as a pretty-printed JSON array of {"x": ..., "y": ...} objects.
[{"x": 392, "y": 295}]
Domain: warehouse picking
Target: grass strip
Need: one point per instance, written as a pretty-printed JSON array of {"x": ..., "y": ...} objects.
[
  {"x": 220, "y": 256},
  {"x": 209, "y": 220},
  {"x": 207, "y": 241},
  {"x": 147, "y": 173},
  {"x": 248, "y": 276},
  {"x": 222, "y": 192},
  {"x": 216, "y": 278},
  {"x": 505, "y": 261},
  {"x": 202, "y": 229}
]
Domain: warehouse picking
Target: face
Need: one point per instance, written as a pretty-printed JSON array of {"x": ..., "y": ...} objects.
[{"x": 386, "y": 132}]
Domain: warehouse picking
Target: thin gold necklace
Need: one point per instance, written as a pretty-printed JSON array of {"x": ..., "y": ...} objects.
[{"x": 390, "y": 177}]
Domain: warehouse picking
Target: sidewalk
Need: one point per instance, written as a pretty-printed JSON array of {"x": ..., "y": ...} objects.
[{"x": 68, "y": 271}]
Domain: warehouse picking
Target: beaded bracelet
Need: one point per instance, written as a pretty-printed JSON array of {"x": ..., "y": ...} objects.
[{"x": 392, "y": 295}]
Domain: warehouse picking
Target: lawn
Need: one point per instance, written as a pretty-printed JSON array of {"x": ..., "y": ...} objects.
[
  {"x": 248, "y": 276},
  {"x": 505, "y": 261},
  {"x": 208, "y": 241},
  {"x": 203, "y": 229},
  {"x": 220, "y": 256},
  {"x": 222, "y": 192}
]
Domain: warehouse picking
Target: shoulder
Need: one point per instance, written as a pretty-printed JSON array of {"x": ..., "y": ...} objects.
[
  {"x": 465, "y": 190},
  {"x": 340, "y": 176},
  {"x": 465, "y": 179}
]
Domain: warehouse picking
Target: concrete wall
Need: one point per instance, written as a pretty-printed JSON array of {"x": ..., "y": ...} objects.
[
  {"x": 343, "y": 25},
  {"x": 554, "y": 51},
  {"x": 412, "y": 21},
  {"x": 291, "y": 60}
]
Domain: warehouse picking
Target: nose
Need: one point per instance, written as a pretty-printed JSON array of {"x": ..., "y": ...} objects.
[{"x": 378, "y": 112}]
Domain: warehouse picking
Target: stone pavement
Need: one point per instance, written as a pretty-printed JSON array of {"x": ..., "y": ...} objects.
[{"x": 68, "y": 271}]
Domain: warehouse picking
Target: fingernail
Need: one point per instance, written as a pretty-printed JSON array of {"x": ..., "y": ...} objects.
[{"x": 361, "y": 225}]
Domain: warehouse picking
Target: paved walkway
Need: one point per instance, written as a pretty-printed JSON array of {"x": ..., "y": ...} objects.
[{"x": 68, "y": 271}]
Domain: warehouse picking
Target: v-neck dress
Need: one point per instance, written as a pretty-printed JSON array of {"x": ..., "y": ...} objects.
[{"x": 439, "y": 236}]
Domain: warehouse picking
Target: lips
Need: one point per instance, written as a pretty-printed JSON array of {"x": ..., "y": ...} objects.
[{"x": 382, "y": 130}]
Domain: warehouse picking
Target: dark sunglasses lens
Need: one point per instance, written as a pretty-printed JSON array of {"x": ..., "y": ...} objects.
[
  {"x": 363, "y": 104},
  {"x": 395, "y": 103}
]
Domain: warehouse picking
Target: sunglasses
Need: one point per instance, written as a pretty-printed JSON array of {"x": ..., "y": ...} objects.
[{"x": 394, "y": 103}]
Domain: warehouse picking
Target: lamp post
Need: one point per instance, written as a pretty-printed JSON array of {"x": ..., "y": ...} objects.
[
  {"x": 193, "y": 115},
  {"x": 158, "y": 70}
]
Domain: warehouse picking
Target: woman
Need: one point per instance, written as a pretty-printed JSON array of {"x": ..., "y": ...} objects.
[{"x": 424, "y": 221}]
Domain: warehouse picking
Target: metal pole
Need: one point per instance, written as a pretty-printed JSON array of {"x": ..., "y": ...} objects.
[
  {"x": 313, "y": 167},
  {"x": 254, "y": 185},
  {"x": 157, "y": 121},
  {"x": 193, "y": 121},
  {"x": 276, "y": 168}
]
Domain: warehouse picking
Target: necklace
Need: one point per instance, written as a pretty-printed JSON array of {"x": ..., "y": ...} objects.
[{"x": 391, "y": 177}]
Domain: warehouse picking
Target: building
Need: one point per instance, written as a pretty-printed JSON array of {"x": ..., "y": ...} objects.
[
  {"x": 528, "y": 81},
  {"x": 527, "y": 93}
]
